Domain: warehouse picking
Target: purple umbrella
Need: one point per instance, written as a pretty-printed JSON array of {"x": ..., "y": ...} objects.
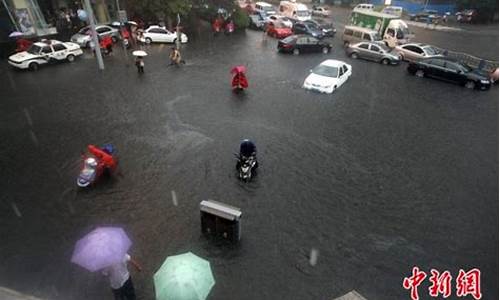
[{"x": 101, "y": 248}]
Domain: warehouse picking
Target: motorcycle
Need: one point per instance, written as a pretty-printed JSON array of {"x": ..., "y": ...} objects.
[
  {"x": 239, "y": 82},
  {"x": 229, "y": 28},
  {"x": 246, "y": 167},
  {"x": 247, "y": 163},
  {"x": 92, "y": 168}
]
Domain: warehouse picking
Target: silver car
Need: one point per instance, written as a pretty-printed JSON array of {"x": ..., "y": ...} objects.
[
  {"x": 416, "y": 51},
  {"x": 373, "y": 51},
  {"x": 83, "y": 36}
]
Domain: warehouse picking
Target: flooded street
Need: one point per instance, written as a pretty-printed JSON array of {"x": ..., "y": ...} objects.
[{"x": 389, "y": 172}]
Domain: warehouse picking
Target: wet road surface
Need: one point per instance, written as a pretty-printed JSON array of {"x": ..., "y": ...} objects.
[{"x": 389, "y": 172}]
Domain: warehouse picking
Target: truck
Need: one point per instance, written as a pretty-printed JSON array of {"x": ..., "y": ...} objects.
[
  {"x": 392, "y": 29},
  {"x": 294, "y": 10}
]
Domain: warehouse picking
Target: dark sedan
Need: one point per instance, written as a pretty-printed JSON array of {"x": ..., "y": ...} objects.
[
  {"x": 297, "y": 44},
  {"x": 451, "y": 70},
  {"x": 325, "y": 26},
  {"x": 309, "y": 29}
]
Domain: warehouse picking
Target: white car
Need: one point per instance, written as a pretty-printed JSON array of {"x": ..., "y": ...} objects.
[
  {"x": 157, "y": 34},
  {"x": 328, "y": 76},
  {"x": 416, "y": 51},
  {"x": 44, "y": 52},
  {"x": 320, "y": 11},
  {"x": 83, "y": 36},
  {"x": 280, "y": 19}
]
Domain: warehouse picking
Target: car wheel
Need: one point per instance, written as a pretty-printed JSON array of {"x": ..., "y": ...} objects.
[
  {"x": 174, "y": 41},
  {"x": 149, "y": 40},
  {"x": 33, "y": 66},
  {"x": 385, "y": 61},
  {"x": 296, "y": 51},
  {"x": 325, "y": 50},
  {"x": 87, "y": 44},
  {"x": 470, "y": 84},
  {"x": 420, "y": 73},
  {"x": 114, "y": 39},
  {"x": 354, "y": 55},
  {"x": 346, "y": 44},
  {"x": 70, "y": 58}
]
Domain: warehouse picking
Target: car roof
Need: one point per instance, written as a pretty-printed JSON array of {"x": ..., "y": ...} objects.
[
  {"x": 333, "y": 63},
  {"x": 47, "y": 43}
]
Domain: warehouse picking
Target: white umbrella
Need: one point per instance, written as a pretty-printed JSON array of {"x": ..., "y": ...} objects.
[
  {"x": 15, "y": 34},
  {"x": 132, "y": 23},
  {"x": 139, "y": 53}
]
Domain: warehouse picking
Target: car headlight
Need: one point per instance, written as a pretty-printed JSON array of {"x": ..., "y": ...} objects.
[{"x": 485, "y": 81}]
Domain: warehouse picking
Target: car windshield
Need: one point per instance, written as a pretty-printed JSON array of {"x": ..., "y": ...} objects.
[
  {"x": 34, "y": 49},
  {"x": 289, "y": 39},
  {"x": 327, "y": 71},
  {"x": 384, "y": 47},
  {"x": 430, "y": 51},
  {"x": 313, "y": 26}
]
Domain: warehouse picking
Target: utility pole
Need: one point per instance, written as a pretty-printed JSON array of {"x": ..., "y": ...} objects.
[
  {"x": 426, "y": 3},
  {"x": 97, "y": 47},
  {"x": 121, "y": 28}
]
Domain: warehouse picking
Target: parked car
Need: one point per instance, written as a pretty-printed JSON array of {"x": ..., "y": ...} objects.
[
  {"x": 309, "y": 29},
  {"x": 265, "y": 8},
  {"x": 284, "y": 20},
  {"x": 325, "y": 26},
  {"x": 355, "y": 34},
  {"x": 302, "y": 43},
  {"x": 83, "y": 37},
  {"x": 449, "y": 69},
  {"x": 158, "y": 34},
  {"x": 320, "y": 11},
  {"x": 466, "y": 16},
  {"x": 44, "y": 52},
  {"x": 426, "y": 15},
  {"x": 328, "y": 76},
  {"x": 278, "y": 30},
  {"x": 416, "y": 51},
  {"x": 257, "y": 21},
  {"x": 372, "y": 51}
]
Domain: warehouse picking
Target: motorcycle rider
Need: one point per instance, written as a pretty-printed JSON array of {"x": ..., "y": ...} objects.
[
  {"x": 175, "y": 56},
  {"x": 239, "y": 81},
  {"x": 248, "y": 149},
  {"x": 105, "y": 160}
]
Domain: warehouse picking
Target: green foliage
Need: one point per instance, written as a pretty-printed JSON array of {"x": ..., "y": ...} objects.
[
  {"x": 240, "y": 18},
  {"x": 159, "y": 9}
]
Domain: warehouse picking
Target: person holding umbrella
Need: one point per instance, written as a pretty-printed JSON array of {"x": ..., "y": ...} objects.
[
  {"x": 105, "y": 249},
  {"x": 139, "y": 60},
  {"x": 120, "y": 279}
]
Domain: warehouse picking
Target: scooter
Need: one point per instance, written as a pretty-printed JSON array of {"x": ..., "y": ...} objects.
[
  {"x": 92, "y": 170},
  {"x": 246, "y": 166}
]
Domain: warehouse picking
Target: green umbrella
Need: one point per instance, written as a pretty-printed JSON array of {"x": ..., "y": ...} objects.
[{"x": 183, "y": 277}]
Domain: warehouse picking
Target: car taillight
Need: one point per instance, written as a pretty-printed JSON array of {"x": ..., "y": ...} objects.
[{"x": 286, "y": 45}]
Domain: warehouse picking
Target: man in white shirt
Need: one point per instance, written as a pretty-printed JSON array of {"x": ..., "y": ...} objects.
[{"x": 120, "y": 280}]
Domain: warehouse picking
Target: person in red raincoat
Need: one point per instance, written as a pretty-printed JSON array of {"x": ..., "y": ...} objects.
[
  {"x": 105, "y": 161},
  {"x": 23, "y": 45},
  {"x": 106, "y": 43},
  {"x": 239, "y": 81}
]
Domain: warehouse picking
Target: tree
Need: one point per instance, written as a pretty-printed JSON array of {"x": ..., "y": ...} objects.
[{"x": 166, "y": 10}]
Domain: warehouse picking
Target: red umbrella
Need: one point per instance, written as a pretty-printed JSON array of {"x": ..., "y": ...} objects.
[{"x": 238, "y": 69}]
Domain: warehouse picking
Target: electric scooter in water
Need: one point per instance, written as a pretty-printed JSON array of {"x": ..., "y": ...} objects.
[
  {"x": 94, "y": 168},
  {"x": 247, "y": 163}
]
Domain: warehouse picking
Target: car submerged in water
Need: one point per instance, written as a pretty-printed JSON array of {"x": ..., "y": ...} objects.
[{"x": 451, "y": 70}]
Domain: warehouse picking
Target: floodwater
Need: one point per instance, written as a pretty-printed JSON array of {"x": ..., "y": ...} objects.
[{"x": 389, "y": 172}]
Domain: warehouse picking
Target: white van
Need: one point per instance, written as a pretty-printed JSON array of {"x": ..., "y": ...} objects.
[
  {"x": 366, "y": 6},
  {"x": 265, "y": 9},
  {"x": 393, "y": 10},
  {"x": 294, "y": 10}
]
